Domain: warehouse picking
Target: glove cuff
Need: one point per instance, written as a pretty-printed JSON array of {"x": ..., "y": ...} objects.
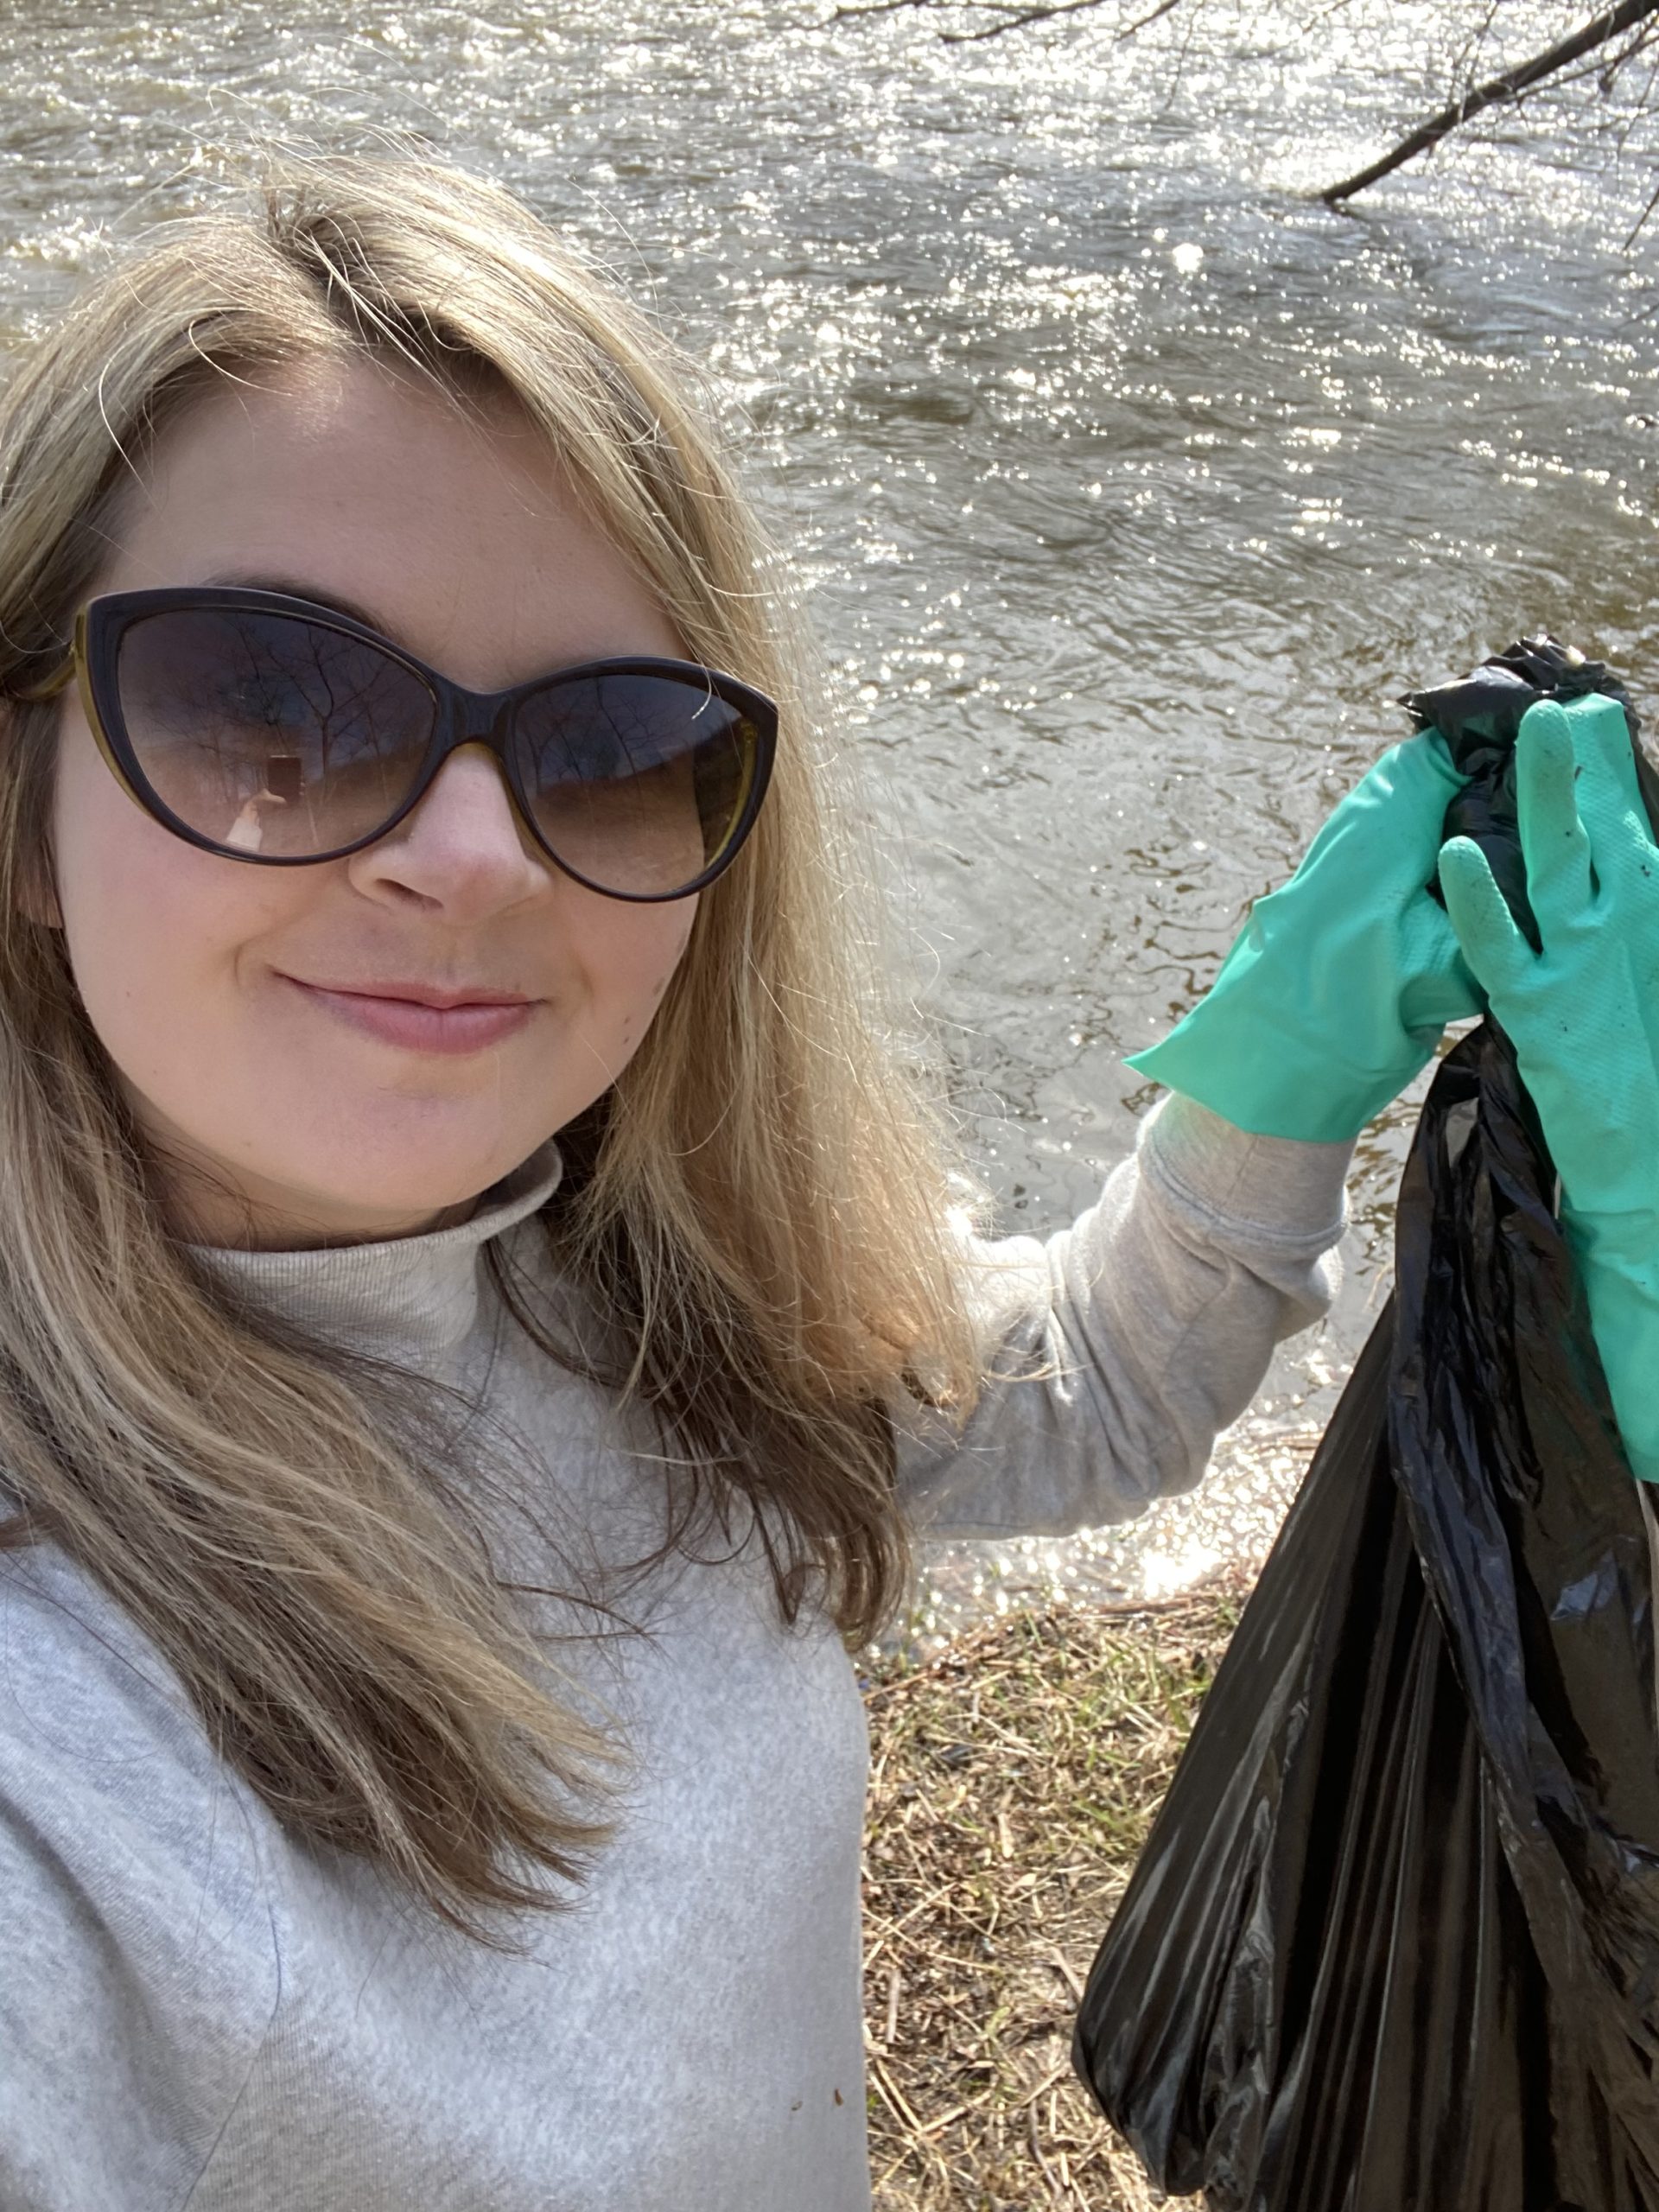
[{"x": 1281, "y": 1086}]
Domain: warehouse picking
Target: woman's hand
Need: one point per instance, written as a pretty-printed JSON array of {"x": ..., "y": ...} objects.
[
  {"x": 1583, "y": 1013},
  {"x": 1338, "y": 989}
]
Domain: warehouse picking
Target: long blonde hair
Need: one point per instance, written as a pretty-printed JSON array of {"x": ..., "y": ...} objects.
[{"x": 759, "y": 1203}]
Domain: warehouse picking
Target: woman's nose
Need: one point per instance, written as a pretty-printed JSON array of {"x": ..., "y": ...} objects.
[{"x": 464, "y": 848}]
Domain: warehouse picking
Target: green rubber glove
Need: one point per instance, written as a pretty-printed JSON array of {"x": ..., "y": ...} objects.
[
  {"x": 1583, "y": 1015},
  {"x": 1335, "y": 993}
]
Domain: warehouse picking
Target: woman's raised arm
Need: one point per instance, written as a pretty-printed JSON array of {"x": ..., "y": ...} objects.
[{"x": 1119, "y": 1348}]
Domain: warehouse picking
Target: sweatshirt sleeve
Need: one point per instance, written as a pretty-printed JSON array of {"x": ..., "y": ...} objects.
[
  {"x": 140, "y": 1968},
  {"x": 1115, "y": 1351}
]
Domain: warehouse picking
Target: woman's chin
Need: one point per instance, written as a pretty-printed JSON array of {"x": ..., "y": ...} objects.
[
  {"x": 403, "y": 1200},
  {"x": 367, "y": 1184}
]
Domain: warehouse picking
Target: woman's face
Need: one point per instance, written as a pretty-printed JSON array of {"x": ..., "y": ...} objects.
[{"x": 236, "y": 1001}]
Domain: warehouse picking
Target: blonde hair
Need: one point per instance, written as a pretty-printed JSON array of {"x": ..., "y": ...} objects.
[{"x": 758, "y": 1203}]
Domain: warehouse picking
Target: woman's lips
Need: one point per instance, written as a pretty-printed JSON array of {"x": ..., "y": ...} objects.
[{"x": 417, "y": 1028}]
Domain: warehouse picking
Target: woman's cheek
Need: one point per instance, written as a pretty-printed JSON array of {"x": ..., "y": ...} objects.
[
  {"x": 152, "y": 928},
  {"x": 120, "y": 929},
  {"x": 629, "y": 967}
]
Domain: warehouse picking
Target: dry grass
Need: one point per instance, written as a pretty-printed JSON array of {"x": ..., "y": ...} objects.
[{"x": 1014, "y": 1780}]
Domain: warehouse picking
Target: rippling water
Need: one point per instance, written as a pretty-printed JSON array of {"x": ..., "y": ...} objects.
[{"x": 1131, "y": 486}]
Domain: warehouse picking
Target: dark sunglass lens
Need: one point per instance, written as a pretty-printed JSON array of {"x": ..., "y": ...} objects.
[
  {"x": 637, "y": 782},
  {"x": 269, "y": 734}
]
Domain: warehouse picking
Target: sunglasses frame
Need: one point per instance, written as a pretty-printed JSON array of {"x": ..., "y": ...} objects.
[{"x": 462, "y": 718}]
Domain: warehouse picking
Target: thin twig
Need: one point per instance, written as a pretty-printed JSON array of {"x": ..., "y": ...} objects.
[
  {"x": 1638, "y": 224},
  {"x": 1043, "y": 2166},
  {"x": 1067, "y": 1973},
  {"x": 1468, "y": 55},
  {"x": 1018, "y": 22},
  {"x": 1014, "y": 23},
  {"x": 1183, "y": 54},
  {"x": 1164, "y": 7},
  {"x": 879, "y": 8}
]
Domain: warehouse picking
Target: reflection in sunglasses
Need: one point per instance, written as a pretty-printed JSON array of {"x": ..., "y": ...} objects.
[{"x": 284, "y": 780}]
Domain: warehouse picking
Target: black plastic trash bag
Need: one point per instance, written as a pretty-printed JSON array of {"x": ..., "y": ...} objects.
[{"x": 1393, "y": 1945}]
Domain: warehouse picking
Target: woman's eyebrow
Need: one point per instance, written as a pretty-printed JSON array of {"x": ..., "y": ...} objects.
[{"x": 292, "y": 587}]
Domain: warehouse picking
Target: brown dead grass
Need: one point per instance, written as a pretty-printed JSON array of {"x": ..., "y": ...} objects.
[{"x": 1014, "y": 1780}]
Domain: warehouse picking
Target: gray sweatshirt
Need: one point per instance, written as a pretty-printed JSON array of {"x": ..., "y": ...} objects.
[{"x": 197, "y": 2009}]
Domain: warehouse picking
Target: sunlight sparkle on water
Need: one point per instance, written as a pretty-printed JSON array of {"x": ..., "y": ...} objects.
[{"x": 1162, "y": 1574}]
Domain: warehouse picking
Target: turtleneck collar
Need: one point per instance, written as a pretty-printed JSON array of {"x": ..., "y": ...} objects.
[{"x": 410, "y": 1298}]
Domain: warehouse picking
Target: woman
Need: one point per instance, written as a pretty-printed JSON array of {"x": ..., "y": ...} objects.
[{"x": 478, "y": 1307}]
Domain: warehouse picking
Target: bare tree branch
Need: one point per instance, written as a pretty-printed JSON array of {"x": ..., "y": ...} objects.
[
  {"x": 1011, "y": 21},
  {"x": 1600, "y": 73},
  {"x": 1183, "y": 55},
  {"x": 1164, "y": 7},
  {"x": 1031, "y": 16},
  {"x": 879, "y": 8},
  {"x": 1019, "y": 23},
  {"x": 1611, "y": 24}
]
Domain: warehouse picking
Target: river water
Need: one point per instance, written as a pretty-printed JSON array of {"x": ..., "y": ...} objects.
[{"x": 1130, "y": 485}]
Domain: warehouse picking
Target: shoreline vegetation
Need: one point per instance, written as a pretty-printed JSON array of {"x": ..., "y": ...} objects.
[{"x": 1015, "y": 1776}]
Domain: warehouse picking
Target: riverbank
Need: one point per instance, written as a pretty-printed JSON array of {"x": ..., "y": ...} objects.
[{"x": 1014, "y": 1778}]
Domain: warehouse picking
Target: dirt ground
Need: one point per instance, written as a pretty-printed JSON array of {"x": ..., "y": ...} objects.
[{"x": 1014, "y": 1780}]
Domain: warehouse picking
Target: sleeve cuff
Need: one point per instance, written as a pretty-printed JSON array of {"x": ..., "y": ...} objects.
[{"x": 1282, "y": 1188}]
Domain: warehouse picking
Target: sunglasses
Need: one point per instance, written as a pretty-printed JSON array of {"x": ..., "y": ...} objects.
[{"x": 265, "y": 728}]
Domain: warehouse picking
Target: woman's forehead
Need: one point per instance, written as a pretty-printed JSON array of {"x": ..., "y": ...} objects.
[{"x": 456, "y": 531}]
